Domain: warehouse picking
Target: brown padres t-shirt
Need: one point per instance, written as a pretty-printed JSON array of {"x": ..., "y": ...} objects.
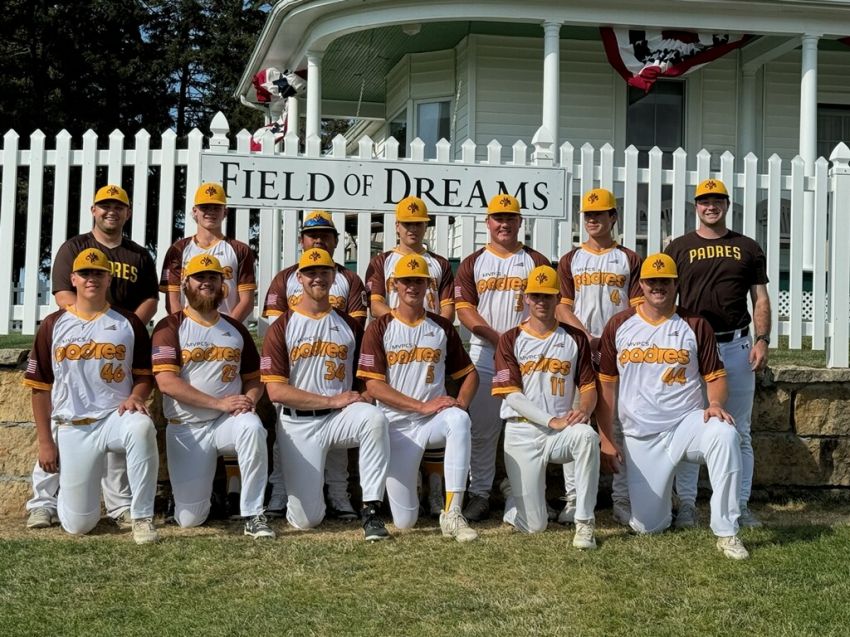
[
  {"x": 133, "y": 270},
  {"x": 715, "y": 276}
]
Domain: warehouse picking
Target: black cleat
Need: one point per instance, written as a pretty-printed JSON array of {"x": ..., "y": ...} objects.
[{"x": 373, "y": 525}]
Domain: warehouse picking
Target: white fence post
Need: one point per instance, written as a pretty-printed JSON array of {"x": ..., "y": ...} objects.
[{"x": 839, "y": 270}]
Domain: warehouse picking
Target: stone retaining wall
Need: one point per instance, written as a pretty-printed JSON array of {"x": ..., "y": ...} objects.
[{"x": 801, "y": 432}]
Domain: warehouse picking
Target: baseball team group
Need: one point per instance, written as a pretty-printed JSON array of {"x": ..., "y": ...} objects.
[{"x": 640, "y": 368}]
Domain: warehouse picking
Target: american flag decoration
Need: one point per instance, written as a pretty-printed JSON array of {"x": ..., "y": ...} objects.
[
  {"x": 271, "y": 298},
  {"x": 641, "y": 57},
  {"x": 273, "y": 85},
  {"x": 32, "y": 366},
  {"x": 265, "y": 363},
  {"x": 502, "y": 376},
  {"x": 367, "y": 360},
  {"x": 163, "y": 353}
]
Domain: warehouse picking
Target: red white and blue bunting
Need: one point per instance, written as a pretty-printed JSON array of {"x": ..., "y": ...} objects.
[
  {"x": 641, "y": 57},
  {"x": 272, "y": 86}
]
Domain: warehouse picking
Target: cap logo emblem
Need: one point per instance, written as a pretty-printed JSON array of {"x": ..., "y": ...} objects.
[
  {"x": 413, "y": 206},
  {"x": 658, "y": 264},
  {"x": 91, "y": 257},
  {"x": 206, "y": 261},
  {"x": 211, "y": 191},
  {"x": 542, "y": 278},
  {"x": 315, "y": 256},
  {"x": 412, "y": 265},
  {"x": 710, "y": 184},
  {"x": 505, "y": 201},
  {"x": 593, "y": 198},
  {"x": 112, "y": 190}
]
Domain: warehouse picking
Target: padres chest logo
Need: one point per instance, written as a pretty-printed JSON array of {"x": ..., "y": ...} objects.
[
  {"x": 89, "y": 351},
  {"x": 319, "y": 348},
  {"x": 654, "y": 354},
  {"x": 599, "y": 278},
  {"x": 414, "y": 355},
  {"x": 502, "y": 284},
  {"x": 714, "y": 252},
  {"x": 210, "y": 354}
]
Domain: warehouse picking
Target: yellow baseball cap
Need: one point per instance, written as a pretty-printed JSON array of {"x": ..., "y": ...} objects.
[
  {"x": 409, "y": 266},
  {"x": 503, "y": 203},
  {"x": 543, "y": 280},
  {"x": 318, "y": 220},
  {"x": 210, "y": 192},
  {"x": 713, "y": 187},
  {"x": 111, "y": 192},
  {"x": 202, "y": 263},
  {"x": 411, "y": 210},
  {"x": 658, "y": 266},
  {"x": 598, "y": 200},
  {"x": 91, "y": 259},
  {"x": 315, "y": 258}
]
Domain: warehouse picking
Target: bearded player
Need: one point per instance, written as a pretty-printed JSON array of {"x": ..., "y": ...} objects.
[
  {"x": 404, "y": 360},
  {"x": 308, "y": 368},
  {"x": 208, "y": 370},
  {"x": 660, "y": 355},
  {"x": 90, "y": 374},
  {"x": 539, "y": 366}
]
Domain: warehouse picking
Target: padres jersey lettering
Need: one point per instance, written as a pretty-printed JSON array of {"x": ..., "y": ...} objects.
[
  {"x": 412, "y": 358},
  {"x": 494, "y": 285},
  {"x": 597, "y": 284},
  {"x": 88, "y": 364},
  {"x": 547, "y": 368},
  {"x": 347, "y": 293},
  {"x": 213, "y": 358},
  {"x": 660, "y": 367},
  {"x": 236, "y": 258},
  {"x": 314, "y": 353},
  {"x": 381, "y": 284}
]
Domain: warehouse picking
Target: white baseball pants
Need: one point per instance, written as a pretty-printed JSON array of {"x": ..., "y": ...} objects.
[
  {"x": 408, "y": 441},
  {"x": 83, "y": 450},
  {"x": 652, "y": 462},
  {"x": 486, "y": 423},
  {"x": 741, "y": 381},
  {"x": 528, "y": 449},
  {"x": 192, "y": 451},
  {"x": 304, "y": 444}
]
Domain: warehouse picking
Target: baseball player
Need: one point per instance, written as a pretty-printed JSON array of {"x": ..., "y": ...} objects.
[
  {"x": 208, "y": 370},
  {"x": 347, "y": 294},
  {"x": 539, "y": 365},
  {"x": 133, "y": 289},
  {"x": 411, "y": 224},
  {"x": 404, "y": 360},
  {"x": 489, "y": 299},
  {"x": 209, "y": 211},
  {"x": 598, "y": 279},
  {"x": 718, "y": 269},
  {"x": 661, "y": 355},
  {"x": 308, "y": 368},
  {"x": 89, "y": 371}
]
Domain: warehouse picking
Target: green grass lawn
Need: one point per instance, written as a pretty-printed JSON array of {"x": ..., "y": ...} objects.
[{"x": 213, "y": 581}]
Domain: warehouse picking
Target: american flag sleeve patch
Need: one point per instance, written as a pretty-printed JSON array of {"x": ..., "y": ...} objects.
[
  {"x": 367, "y": 360},
  {"x": 265, "y": 363},
  {"x": 271, "y": 298},
  {"x": 163, "y": 353},
  {"x": 502, "y": 376},
  {"x": 32, "y": 366}
]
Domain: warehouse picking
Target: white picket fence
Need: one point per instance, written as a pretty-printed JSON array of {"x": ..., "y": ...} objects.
[{"x": 654, "y": 202}]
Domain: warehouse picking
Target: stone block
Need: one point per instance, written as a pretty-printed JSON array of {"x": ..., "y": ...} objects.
[
  {"x": 12, "y": 357},
  {"x": 788, "y": 460},
  {"x": 15, "y": 403},
  {"x": 18, "y": 450},
  {"x": 13, "y": 498},
  {"x": 822, "y": 410},
  {"x": 772, "y": 409}
]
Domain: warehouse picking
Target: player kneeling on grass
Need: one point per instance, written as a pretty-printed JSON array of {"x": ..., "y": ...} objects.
[
  {"x": 660, "y": 354},
  {"x": 89, "y": 371},
  {"x": 539, "y": 365},
  {"x": 208, "y": 369},
  {"x": 308, "y": 368},
  {"x": 404, "y": 360}
]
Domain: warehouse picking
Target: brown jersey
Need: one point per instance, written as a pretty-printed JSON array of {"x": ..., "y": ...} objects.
[
  {"x": 715, "y": 276},
  {"x": 133, "y": 270}
]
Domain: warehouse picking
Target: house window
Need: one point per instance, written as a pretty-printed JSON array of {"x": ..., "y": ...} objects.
[
  {"x": 433, "y": 123},
  {"x": 398, "y": 130},
  {"x": 656, "y": 118},
  {"x": 833, "y": 127}
]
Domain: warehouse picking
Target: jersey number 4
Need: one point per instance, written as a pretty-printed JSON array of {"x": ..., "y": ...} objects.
[
  {"x": 110, "y": 373},
  {"x": 674, "y": 375}
]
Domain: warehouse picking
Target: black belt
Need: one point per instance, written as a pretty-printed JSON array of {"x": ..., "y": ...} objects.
[
  {"x": 728, "y": 337},
  {"x": 302, "y": 413}
]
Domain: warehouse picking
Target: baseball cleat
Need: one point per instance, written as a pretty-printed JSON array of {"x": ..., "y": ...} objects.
[
  {"x": 41, "y": 518},
  {"x": 568, "y": 515},
  {"x": 622, "y": 513},
  {"x": 258, "y": 527},
  {"x": 477, "y": 508},
  {"x": 583, "y": 538},
  {"x": 339, "y": 508},
  {"x": 748, "y": 519},
  {"x": 144, "y": 532},
  {"x": 373, "y": 525},
  {"x": 732, "y": 547},
  {"x": 686, "y": 517},
  {"x": 123, "y": 520},
  {"x": 453, "y": 524}
]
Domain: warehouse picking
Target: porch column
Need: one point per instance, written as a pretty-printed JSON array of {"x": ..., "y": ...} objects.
[
  {"x": 551, "y": 78},
  {"x": 314, "y": 93},
  {"x": 748, "y": 113},
  {"x": 808, "y": 135}
]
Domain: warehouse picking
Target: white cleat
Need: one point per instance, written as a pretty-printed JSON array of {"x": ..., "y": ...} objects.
[
  {"x": 453, "y": 524},
  {"x": 732, "y": 547},
  {"x": 583, "y": 538}
]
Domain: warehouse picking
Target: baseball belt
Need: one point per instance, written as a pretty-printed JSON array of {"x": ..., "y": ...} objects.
[
  {"x": 302, "y": 413},
  {"x": 728, "y": 337}
]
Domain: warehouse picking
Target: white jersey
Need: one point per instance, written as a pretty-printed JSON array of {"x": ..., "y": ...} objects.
[
  {"x": 88, "y": 364},
  {"x": 660, "y": 367},
  {"x": 346, "y": 293},
  {"x": 546, "y": 368},
  {"x": 313, "y": 353},
  {"x": 412, "y": 358},
  {"x": 494, "y": 285},
  {"x": 596, "y": 284},
  {"x": 235, "y": 257},
  {"x": 381, "y": 284},
  {"x": 213, "y": 358}
]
